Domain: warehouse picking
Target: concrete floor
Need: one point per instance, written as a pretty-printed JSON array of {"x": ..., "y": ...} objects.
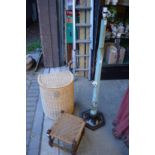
[
  {"x": 101, "y": 141},
  {"x": 32, "y": 97}
]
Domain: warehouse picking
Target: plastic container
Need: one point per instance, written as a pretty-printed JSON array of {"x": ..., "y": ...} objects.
[{"x": 57, "y": 93}]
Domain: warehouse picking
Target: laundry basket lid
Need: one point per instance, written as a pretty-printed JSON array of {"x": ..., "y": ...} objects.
[{"x": 56, "y": 79}]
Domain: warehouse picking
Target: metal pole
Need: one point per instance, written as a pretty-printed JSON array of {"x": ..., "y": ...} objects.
[
  {"x": 74, "y": 37},
  {"x": 95, "y": 119},
  {"x": 91, "y": 37},
  {"x": 100, "y": 54}
]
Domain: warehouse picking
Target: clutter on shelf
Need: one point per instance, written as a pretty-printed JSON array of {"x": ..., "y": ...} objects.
[
  {"x": 113, "y": 55},
  {"x": 121, "y": 55},
  {"x": 117, "y": 26},
  {"x": 117, "y": 35},
  {"x": 117, "y": 30},
  {"x": 115, "y": 2}
]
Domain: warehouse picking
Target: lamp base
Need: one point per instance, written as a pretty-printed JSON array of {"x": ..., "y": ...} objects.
[{"x": 93, "y": 122}]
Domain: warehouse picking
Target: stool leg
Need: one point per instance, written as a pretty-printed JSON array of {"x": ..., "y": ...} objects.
[
  {"x": 50, "y": 142},
  {"x": 74, "y": 148},
  {"x": 73, "y": 153}
]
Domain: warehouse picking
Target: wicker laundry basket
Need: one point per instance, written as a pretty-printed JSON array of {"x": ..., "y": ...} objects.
[{"x": 57, "y": 93}]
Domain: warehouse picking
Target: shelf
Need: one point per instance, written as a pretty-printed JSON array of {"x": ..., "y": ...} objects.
[
  {"x": 114, "y": 65},
  {"x": 119, "y": 4},
  {"x": 116, "y": 38},
  {"x": 116, "y": 71},
  {"x": 111, "y": 72}
]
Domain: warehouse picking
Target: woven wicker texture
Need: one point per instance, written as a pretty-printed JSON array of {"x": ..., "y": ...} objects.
[
  {"x": 57, "y": 93},
  {"x": 68, "y": 128}
]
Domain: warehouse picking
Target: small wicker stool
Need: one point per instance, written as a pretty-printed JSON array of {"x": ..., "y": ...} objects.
[{"x": 67, "y": 132}]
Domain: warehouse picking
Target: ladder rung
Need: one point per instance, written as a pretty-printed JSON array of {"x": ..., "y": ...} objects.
[
  {"x": 81, "y": 69},
  {"x": 82, "y": 41},
  {"x": 83, "y": 25},
  {"x": 82, "y": 55},
  {"x": 78, "y": 7}
]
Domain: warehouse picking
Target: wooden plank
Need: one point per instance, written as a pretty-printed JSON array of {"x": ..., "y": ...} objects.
[
  {"x": 45, "y": 32},
  {"x": 88, "y": 38},
  {"x": 48, "y": 32},
  {"x": 54, "y": 31},
  {"x": 65, "y": 39},
  {"x": 61, "y": 31},
  {"x": 81, "y": 37}
]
